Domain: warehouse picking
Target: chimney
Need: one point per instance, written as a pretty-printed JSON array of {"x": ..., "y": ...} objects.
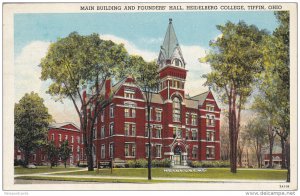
[{"x": 107, "y": 88}]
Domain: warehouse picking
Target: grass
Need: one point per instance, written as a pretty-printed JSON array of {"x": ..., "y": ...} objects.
[
  {"x": 214, "y": 173},
  {"x": 53, "y": 178},
  {"x": 42, "y": 169}
]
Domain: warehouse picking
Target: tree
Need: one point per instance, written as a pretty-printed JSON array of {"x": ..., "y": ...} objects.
[
  {"x": 256, "y": 133},
  {"x": 31, "y": 119},
  {"x": 64, "y": 152},
  {"x": 235, "y": 60},
  {"x": 78, "y": 67},
  {"x": 147, "y": 78},
  {"x": 273, "y": 100},
  {"x": 52, "y": 153}
]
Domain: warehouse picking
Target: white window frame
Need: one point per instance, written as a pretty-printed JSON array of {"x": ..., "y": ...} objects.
[{"x": 103, "y": 151}]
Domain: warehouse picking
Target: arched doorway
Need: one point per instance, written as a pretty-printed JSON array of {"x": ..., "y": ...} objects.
[{"x": 177, "y": 155}]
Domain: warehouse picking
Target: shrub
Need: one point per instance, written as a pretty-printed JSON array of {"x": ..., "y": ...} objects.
[
  {"x": 141, "y": 163},
  {"x": 130, "y": 163},
  {"x": 208, "y": 164},
  {"x": 166, "y": 163}
]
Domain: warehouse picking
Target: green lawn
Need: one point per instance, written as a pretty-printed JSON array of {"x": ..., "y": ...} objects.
[
  {"x": 53, "y": 178},
  {"x": 43, "y": 169},
  {"x": 214, "y": 173}
]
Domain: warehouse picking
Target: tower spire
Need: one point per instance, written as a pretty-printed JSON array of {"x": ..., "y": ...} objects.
[{"x": 170, "y": 48}]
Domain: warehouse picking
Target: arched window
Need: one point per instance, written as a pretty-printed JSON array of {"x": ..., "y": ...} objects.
[
  {"x": 177, "y": 63},
  {"x": 176, "y": 109}
]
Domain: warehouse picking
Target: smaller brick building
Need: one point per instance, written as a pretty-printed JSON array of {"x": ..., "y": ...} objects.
[{"x": 59, "y": 132}]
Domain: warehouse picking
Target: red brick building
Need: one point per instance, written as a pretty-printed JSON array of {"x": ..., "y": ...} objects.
[
  {"x": 183, "y": 128},
  {"x": 58, "y": 132}
]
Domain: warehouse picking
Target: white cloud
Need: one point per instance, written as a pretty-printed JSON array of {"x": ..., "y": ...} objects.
[
  {"x": 194, "y": 80},
  {"x": 27, "y": 79},
  {"x": 130, "y": 47}
]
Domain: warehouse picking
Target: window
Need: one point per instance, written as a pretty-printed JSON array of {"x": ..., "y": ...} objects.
[
  {"x": 102, "y": 151},
  {"x": 126, "y": 110},
  {"x": 187, "y": 134},
  {"x": 177, "y": 133},
  {"x": 176, "y": 109},
  {"x": 78, "y": 139},
  {"x": 78, "y": 149},
  {"x": 158, "y": 151},
  {"x": 210, "y": 152},
  {"x": 133, "y": 150},
  {"x": 111, "y": 111},
  {"x": 52, "y": 136},
  {"x": 82, "y": 138},
  {"x": 59, "y": 137},
  {"x": 94, "y": 133},
  {"x": 194, "y": 134},
  {"x": 210, "y": 135},
  {"x": 147, "y": 150},
  {"x": 102, "y": 116},
  {"x": 194, "y": 119},
  {"x": 111, "y": 129},
  {"x": 126, "y": 150},
  {"x": 34, "y": 157},
  {"x": 210, "y": 120},
  {"x": 111, "y": 150},
  {"x": 187, "y": 118},
  {"x": 127, "y": 126},
  {"x": 210, "y": 108},
  {"x": 43, "y": 157},
  {"x": 147, "y": 131},
  {"x": 133, "y": 130},
  {"x": 102, "y": 132},
  {"x": 66, "y": 137},
  {"x": 194, "y": 152},
  {"x": 128, "y": 114},
  {"x": 129, "y": 94},
  {"x": 158, "y": 133},
  {"x": 178, "y": 63},
  {"x": 158, "y": 116},
  {"x": 72, "y": 139}
]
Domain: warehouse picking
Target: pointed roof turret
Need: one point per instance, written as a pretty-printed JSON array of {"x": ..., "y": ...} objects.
[
  {"x": 170, "y": 49},
  {"x": 170, "y": 41}
]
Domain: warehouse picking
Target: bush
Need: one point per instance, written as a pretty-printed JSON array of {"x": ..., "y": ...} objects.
[
  {"x": 208, "y": 164},
  {"x": 19, "y": 162},
  {"x": 131, "y": 163},
  {"x": 141, "y": 163}
]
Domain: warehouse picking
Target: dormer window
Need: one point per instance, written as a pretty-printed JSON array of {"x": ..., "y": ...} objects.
[{"x": 177, "y": 63}]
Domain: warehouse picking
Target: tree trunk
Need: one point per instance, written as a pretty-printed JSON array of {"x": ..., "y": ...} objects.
[
  {"x": 149, "y": 141},
  {"x": 26, "y": 158},
  {"x": 65, "y": 164},
  {"x": 271, "y": 143},
  {"x": 287, "y": 151},
  {"x": 283, "y": 163}
]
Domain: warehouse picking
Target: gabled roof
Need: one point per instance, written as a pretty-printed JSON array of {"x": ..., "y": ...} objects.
[
  {"x": 61, "y": 125},
  {"x": 170, "y": 42},
  {"x": 200, "y": 98},
  {"x": 190, "y": 103},
  {"x": 156, "y": 98}
]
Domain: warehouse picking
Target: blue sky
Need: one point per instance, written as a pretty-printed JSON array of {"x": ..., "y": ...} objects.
[
  {"x": 192, "y": 28},
  {"x": 141, "y": 33}
]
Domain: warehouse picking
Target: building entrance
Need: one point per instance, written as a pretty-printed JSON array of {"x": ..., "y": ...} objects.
[{"x": 177, "y": 156}]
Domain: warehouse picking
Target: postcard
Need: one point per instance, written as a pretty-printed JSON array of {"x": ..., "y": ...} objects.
[{"x": 150, "y": 96}]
